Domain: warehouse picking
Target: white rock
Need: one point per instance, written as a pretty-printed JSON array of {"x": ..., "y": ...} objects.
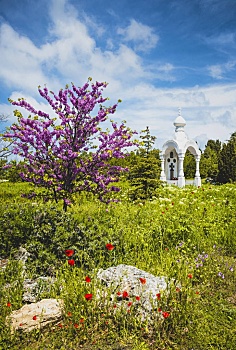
[
  {"x": 36, "y": 315},
  {"x": 127, "y": 278}
]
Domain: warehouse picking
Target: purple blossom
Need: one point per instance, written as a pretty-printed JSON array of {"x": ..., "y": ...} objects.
[
  {"x": 60, "y": 155},
  {"x": 220, "y": 274}
]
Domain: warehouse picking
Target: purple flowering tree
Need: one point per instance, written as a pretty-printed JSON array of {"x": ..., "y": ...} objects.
[{"x": 68, "y": 152}]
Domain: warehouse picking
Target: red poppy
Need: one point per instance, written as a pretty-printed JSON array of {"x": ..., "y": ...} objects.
[
  {"x": 76, "y": 325},
  {"x": 8, "y": 304},
  {"x": 87, "y": 279},
  {"x": 60, "y": 325},
  {"x": 119, "y": 293},
  {"x": 21, "y": 324},
  {"x": 125, "y": 294},
  {"x": 165, "y": 314},
  {"x": 71, "y": 262},
  {"x": 129, "y": 303},
  {"x": 69, "y": 252},
  {"x": 81, "y": 320},
  {"x": 109, "y": 246},
  {"x": 137, "y": 298},
  {"x": 88, "y": 296},
  {"x": 158, "y": 296},
  {"x": 159, "y": 309},
  {"x": 190, "y": 275},
  {"x": 197, "y": 292},
  {"x": 69, "y": 314},
  {"x": 34, "y": 318},
  {"x": 115, "y": 306},
  {"x": 142, "y": 280}
]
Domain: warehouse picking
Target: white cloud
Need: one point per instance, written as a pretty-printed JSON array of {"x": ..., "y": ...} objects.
[
  {"x": 218, "y": 71},
  {"x": 141, "y": 35},
  {"x": 222, "y": 39}
]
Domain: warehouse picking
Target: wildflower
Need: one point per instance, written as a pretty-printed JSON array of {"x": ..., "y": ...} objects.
[
  {"x": 88, "y": 296},
  {"x": 87, "y": 279},
  {"x": 177, "y": 289},
  {"x": 231, "y": 269},
  {"x": 109, "y": 246},
  {"x": 21, "y": 324},
  {"x": 76, "y": 325},
  {"x": 220, "y": 274},
  {"x": 69, "y": 252},
  {"x": 166, "y": 249},
  {"x": 60, "y": 325},
  {"x": 34, "y": 318},
  {"x": 137, "y": 298},
  {"x": 8, "y": 304},
  {"x": 199, "y": 265},
  {"x": 115, "y": 306},
  {"x": 118, "y": 293},
  {"x": 129, "y": 303},
  {"x": 165, "y": 314},
  {"x": 172, "y": 203},
  {"x": 71, "y": 262},
  {"x": 125, "y": 294},
  {"x": 158, "y": 295},
  {"x": 81, "y": 320},
  {"x": 159, "y": 309},
  {"x": 69, "y": 313},
  {"x": 190, "y": 275},
  {"x": 142, "y": 280},
  {"x": 197, "y": 292}
]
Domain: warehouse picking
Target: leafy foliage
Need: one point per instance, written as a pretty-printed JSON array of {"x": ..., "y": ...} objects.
[
  {"x": 210, "y": 159},
  {"x": 189, "y": 165}
]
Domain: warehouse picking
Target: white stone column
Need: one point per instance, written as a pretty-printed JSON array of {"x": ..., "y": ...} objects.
[
  {"x": 163, "y": 174},
  {"x": 197, "y": 180},
  {"x": 181, "y": 178}
]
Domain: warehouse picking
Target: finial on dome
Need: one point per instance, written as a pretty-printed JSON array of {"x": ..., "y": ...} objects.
[{"x": 179, "y": 122}]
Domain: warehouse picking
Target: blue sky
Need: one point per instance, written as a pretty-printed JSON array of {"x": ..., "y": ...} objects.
[{"x": 157, "y": 55}]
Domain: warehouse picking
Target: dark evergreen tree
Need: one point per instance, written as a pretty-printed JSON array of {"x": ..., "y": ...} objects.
[
  {"x": 210, "y": 159},
  {"x": 227, "y": 161},
  {"x": 144, "y": 175}
]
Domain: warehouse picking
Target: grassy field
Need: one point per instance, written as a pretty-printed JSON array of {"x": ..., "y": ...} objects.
[{"x": 187, "y": 234}]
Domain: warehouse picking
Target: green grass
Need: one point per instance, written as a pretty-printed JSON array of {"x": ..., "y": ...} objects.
[{"x": 182, "y": 233}]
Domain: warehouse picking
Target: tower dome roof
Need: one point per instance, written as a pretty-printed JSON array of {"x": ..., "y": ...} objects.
[{"x": 179, "y": 121}]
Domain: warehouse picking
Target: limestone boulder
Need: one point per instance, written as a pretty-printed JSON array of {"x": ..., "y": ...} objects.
[
  {"x": 125, "y": 283},
  {"x": 36, "y": 315}
]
